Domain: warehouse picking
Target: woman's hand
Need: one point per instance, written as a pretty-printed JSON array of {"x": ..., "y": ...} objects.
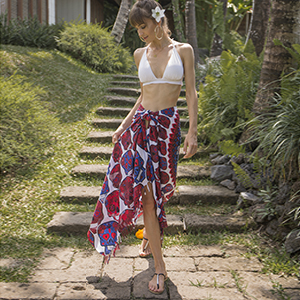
[
  {"x": 117, "y": 134},
  {"x": 190, "y": 145}
]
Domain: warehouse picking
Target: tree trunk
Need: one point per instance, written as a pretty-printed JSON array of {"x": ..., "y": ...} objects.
[
  {"x": 121, "y": 20},
  {"x": 217, "y": 44},
  {"x": 284, "y": 26},
  {"x": 177, "y": 21},
  {"x": 190, "y": 23},
  {"x": 259, "y": 24}
]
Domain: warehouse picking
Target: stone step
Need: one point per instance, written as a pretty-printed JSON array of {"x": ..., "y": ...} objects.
[
  {"x": 100, "y": 136},
  {"x": 77, "y": 223},
  {"x": 124, "y": 91},
  {"x": 115, "y": 123},
  {"x": 131, "y": 91},
  {"x": 130, "y": 101},
  {"x": 191, "y": 171},
  {"x": 126, "y": 77},
  {"x": 105, "y": 136},
  {"x": 184, "y": 195},
  {"x": 126, "y": 83},
  {"x": 123, "y": 111},
  {"x": 105, "y": 152}
]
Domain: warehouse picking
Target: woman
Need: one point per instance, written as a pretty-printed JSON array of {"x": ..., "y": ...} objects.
[{"x": 141, "y": 175}]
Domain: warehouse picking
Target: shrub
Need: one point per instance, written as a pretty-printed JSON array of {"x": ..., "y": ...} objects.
[
  {"x": 25, "y": 125},
  {"x": 227, "y": 97},
  {"x": 29, "y": 32},
  {"x": 95, "y": 47},
  {"x": 278, "y": 128}
]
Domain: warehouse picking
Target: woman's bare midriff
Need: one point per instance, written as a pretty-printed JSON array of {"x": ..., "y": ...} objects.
[{"x": 160, "y": 96}]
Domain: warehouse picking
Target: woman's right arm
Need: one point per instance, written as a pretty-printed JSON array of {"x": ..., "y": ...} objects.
[{"x": 128, "y": 119}]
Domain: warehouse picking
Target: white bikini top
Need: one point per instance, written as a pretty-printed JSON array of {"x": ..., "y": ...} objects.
[{"x": 173, "y": 73}]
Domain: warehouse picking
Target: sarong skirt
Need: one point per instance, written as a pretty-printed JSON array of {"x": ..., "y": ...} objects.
[{"x": 146, "y": 152}]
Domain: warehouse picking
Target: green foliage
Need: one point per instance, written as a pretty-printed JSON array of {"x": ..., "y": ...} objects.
[
  {"x": 218, "y": 20},
  {"x": 231, "y": 148},
  {"x": 235, "y": 43},
  {"x": 267, "y": 195},
  {"x": 226, "y": 99},
  {"x": 204, "y": 22},
  {"x": 242, "y": 175},
  {"x": 25, "y": 124},
  {"x": 95, "y": 47},
  {"x": 296, "y": 211},
  {"x": 236, "y": 11},
  {"x": 28, "y": 32},
  {"x": 278, "y": 130}
]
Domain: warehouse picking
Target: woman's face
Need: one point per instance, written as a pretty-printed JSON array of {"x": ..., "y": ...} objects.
[{"x": 146, "y": 30}]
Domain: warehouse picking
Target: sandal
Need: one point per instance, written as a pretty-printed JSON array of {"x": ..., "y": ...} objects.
[
  {"x": 157, "y": 282},
  {"x": 144, "y": 248}
]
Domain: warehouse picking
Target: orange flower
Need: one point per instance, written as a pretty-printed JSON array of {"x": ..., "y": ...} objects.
[{"x": 139, "y": 234}]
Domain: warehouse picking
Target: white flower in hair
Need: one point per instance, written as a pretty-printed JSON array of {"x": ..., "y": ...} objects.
[{"x": 158, "y": 13}]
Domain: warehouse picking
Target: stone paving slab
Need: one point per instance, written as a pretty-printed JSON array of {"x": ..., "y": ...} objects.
[
  {"x": 124, "y": 76},
  {"x": 100, "y": 136},
  {"x": 125, "y": 83},
  {"x": 231, "y": 222},
  {"x": 124, "y": 91},
  {"x": 205, "y": 194},
  {"x": 195, "y": 172},
  {"x": 227, "y": 264},
  {"x": 70, "y": 274},
  {"x": 32, "y": 291}
]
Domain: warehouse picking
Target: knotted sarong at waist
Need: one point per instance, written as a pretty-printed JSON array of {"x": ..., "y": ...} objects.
[{"x": 146, "y": 152}]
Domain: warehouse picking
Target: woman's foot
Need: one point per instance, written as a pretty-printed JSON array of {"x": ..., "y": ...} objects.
[
  {"x": 145, "y": 249},
  {"x": 157, "y": 284}
]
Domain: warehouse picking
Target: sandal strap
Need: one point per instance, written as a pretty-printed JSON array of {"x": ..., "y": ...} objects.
[{"x": 157, "y": 278}]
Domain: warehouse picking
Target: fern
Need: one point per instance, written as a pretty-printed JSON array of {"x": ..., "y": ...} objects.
[
  {"x": 231, "y": 148},
  {"x": 242, "y": 175},
  {"x": 225, "y": 102}
]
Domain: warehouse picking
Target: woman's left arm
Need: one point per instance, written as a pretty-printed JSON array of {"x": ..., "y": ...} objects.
[{"x": 190, "y": 142}]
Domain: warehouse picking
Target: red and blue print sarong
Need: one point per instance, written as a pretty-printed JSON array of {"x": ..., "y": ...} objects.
[{"x": 142, "y": 155}]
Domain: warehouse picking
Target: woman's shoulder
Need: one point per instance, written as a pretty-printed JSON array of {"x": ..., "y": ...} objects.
[
  {"x": 139, "y": 51},
  {"x": 183, "y": 47},
  {"x": 185, "y": 50}
]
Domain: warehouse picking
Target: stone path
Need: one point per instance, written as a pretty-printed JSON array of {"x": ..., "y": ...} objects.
[{"x": 195, "y": 273}]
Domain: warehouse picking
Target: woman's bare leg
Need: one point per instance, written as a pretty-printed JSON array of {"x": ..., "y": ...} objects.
[
  {"x": 153, "y": 234},
  {"x": 145, "y": 249}
]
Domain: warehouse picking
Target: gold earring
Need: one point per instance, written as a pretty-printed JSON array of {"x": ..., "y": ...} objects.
[{"x": 155, "y": 32}]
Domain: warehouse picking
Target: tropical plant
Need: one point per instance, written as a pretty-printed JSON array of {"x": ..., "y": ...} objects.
[
  {"x": 95, "y": 47},
  {"x": 279, "y": 130},
  {"x": 226, "y": 98},
  {"x": 28, "y": 32}
]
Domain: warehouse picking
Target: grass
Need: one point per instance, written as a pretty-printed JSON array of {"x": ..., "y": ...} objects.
[{"x": 30, "y": 195}]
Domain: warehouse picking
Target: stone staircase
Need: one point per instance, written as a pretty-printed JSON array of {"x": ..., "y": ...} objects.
[{"x": 121, "y": 97}]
